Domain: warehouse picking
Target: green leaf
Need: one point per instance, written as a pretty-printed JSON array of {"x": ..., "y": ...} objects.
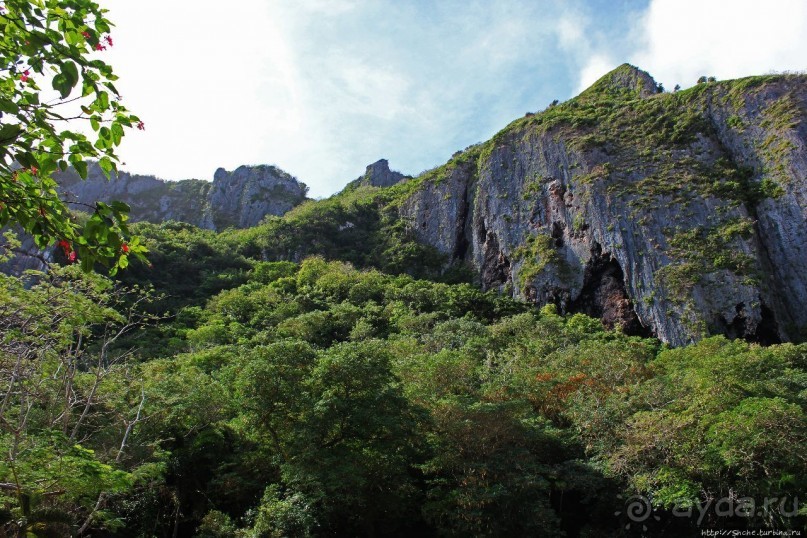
[
  {"x": 112, "y": 88},
  {"x": 88, "y": 87},
  {"x": 72, "y": 37},
  {"x": 119, "y": 206},
  {"x": 107, "y": 166},
  {"x": 9, "y": 132},
  {"x": 102, "y": 26},
  {"x": 8, "y": 106},
  {"x": 117, "y": 133},
  {"x": 81, "y": 168},
  {"x": 27, "y": 160},
  {"x": 61, "y": 85},
  {"x": 103, "y": 100},
  {"x": 70, "y": 71}
]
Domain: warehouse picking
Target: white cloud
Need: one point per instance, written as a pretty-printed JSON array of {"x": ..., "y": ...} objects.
[
  {"x": 684, "y": 39},
  {"x": 381, "y": 80},
  {"x": 188, "y": 70},
  {"x": 322, "y": 87},
  {"x": 570, "y": 29},
  {"x": 583, "y": 46},
  {"x": 327, "y": 7},
  {"x": 366, "y": 89}
]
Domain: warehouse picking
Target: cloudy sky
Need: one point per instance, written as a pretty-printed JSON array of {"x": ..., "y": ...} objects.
[{"x": 321, "y": 88}]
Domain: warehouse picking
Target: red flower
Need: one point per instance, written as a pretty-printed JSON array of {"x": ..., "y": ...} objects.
[
  {"x": 34, "y": 170},
  {"x": 108, "y": 39},
  {"x": 99, "y": 46},
  {"x": 24, "y": 76},
  {"x": 124, "y": 247},
  {"x": 65, "y": 246},
  {"x": 71, "y": 257},
  {"x": 86, "y": 35},
  {"x": 141, "y": 126}
]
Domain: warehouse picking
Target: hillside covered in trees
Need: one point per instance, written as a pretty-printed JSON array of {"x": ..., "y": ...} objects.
[{"x": 587, "y": 326}]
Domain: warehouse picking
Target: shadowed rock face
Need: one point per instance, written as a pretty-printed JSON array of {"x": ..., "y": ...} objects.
[
  {"x": 680, "y": 215},
  {"x": 240, "y": 199}
]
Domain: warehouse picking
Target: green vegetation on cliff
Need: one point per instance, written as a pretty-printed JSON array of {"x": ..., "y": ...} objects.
[{"x": 328, "y": 373}]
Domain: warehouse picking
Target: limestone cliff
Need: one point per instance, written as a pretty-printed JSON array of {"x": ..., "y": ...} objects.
[
  {"x": 675, "y": 214},
  {"x": 237, "y": 199},
  {"x": 240, "y": 199}
]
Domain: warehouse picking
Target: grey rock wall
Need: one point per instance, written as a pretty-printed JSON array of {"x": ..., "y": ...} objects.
[{"x": 680, "y": 237}]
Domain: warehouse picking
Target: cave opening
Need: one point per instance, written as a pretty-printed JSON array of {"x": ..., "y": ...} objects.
[
  {"x": 496, "y": 266},
  {"x": 604, "y": 295},
  {"x": 765, "y": 333}
]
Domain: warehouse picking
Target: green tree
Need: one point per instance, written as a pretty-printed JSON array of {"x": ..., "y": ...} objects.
[
  {"x": 64, "y": 430},
  {"x": 352, "y": 449},
  {"x": 56, "y": 43},
  {"x": 720, "y": 418}
]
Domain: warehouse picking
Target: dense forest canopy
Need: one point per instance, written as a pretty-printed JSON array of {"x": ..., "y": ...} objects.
[{"x": 315, "y": 398}]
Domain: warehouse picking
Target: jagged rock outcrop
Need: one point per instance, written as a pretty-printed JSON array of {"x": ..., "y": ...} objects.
[
  {"x": 240, "y": 199},
  {"x": 675, "y": 214},
  {"x": 243, "y": 197},
  {"x": 378, "y": 174}
]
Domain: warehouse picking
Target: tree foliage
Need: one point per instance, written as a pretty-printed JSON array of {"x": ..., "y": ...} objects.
[
  {"x": 53, "y": 82},
  {"x": 316, "y": 399},
  {"x": 65, "y": 412}
]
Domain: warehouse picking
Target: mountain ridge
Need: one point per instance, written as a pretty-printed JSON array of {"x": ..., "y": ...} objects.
[{"x": 240, "y": 198}]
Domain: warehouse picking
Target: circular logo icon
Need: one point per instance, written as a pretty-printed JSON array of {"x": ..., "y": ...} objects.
[{"x": 638, "y": 509}]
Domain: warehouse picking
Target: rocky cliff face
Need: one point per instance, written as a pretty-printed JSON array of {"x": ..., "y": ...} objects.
[
  {"x": 243, "y": 197},
  {"x": 240, "y": 198},
  {"x": 670, "y": 214},
  {"x": 674, "y": 214}
]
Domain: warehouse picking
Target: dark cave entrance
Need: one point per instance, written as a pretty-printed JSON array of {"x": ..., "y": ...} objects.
[
  {"x": 765, "y": 333},
  {"x": 496, "y": 266},
  {"x": 604, "y": 296}
]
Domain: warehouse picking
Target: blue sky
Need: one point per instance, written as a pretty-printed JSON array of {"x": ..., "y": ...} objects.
[{"x": 322, "y": 88}]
